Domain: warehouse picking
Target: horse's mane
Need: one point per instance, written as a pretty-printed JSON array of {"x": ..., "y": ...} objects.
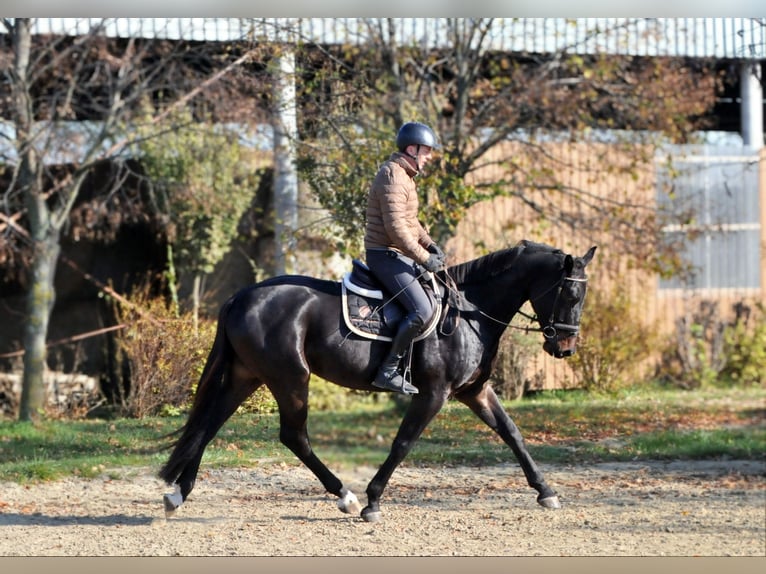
[{"x": 490, "y": 265}]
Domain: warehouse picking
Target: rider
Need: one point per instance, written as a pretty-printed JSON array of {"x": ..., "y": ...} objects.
[{"x": 397, "y": 244}]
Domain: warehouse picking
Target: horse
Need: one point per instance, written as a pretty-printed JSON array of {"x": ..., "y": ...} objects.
[{"x": 279, "y": 331}]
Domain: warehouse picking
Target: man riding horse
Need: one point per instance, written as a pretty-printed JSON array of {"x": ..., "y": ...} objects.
[{"x": 397, "y": 244}]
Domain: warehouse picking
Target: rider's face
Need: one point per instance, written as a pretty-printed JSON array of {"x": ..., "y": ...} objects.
[
  {"x": 425, "y": 155},
  {"x": 422, "y": 153}
]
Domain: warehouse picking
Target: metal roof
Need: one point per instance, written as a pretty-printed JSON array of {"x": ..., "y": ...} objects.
[{"x": 694, "y": 37}]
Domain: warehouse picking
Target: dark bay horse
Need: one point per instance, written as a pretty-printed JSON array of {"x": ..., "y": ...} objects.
[{"x": 277, "y": 332}]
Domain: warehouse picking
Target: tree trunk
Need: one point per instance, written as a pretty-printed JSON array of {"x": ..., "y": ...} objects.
[
  {"x": 42, "y": 232},
  {"x": 196, "y": 295},
  {"x": 40, "y": 300},
  {"x": 285, "y": 171}
]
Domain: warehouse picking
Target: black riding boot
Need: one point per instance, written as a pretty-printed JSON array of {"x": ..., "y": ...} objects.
[{"x": 388, "y": 376}]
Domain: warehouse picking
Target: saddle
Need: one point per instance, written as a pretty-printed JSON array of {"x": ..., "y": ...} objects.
[{"x": 370, "y": 311}]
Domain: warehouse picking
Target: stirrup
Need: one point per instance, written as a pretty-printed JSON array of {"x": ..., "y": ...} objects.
[{"x": 391, "y": 384}]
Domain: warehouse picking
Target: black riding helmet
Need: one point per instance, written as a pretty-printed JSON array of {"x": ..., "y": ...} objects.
[{"x": 415, "y": 133}]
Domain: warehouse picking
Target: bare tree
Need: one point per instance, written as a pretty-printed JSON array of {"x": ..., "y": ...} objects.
[
  {"x": 498, "y": 109},
  {"x": 76, "y": 99}
]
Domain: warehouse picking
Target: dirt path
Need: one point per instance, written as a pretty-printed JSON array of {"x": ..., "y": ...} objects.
[{"x": 637, "y": 509}]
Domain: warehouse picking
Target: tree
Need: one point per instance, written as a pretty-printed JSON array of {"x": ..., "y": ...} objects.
[
  {"x": 78, "y": 98},
  {"x": 285, "y": 174},
  {"x": 497, "y": 109},
  {"x": 202, "y": 184}
]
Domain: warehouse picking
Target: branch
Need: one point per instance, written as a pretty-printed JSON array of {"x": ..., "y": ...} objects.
[
  {"x": 109, "y": 291},
  {"x": 72, "y": 339},
  {"x": 122, "y": 144},
  {"x": 11, "y": 221}
]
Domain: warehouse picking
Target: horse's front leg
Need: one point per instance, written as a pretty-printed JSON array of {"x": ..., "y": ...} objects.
[
  {"x": 487, "y": 407},
  {"x": 421, "y": 411}
]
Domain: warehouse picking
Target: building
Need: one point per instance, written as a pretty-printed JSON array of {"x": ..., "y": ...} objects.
[{"x": 732, "y": 159}]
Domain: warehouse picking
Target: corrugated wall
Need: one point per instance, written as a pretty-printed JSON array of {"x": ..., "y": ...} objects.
[{"x": 504, "y": 221}]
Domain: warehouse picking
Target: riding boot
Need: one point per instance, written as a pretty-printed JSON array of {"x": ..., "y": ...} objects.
[{"x": 388, "y": 376}]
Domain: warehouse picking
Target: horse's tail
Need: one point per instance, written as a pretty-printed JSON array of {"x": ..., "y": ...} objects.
[{"x": 193, "y": 432}]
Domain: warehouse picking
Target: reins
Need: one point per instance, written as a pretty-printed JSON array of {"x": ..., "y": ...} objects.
[{"x": 549, "y": 331}]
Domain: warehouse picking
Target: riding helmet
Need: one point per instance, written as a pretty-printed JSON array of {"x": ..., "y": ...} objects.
[{"x": 415, "y": 133}]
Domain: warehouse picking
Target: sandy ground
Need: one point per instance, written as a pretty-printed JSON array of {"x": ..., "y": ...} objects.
[{"x": 711, "y": 508}]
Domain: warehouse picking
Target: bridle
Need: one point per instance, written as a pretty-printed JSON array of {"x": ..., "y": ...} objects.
[{"x": 551, "y": 329}]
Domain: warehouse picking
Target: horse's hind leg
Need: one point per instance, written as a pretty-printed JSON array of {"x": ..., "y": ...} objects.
[
  {"x": 487, "y": 407},
  {"x": 237, "y": 387},
  {"x": 293, "y": 414}
]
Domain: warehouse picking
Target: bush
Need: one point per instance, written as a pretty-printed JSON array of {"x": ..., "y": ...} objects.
[
  {"x": 708, "y": 350},
  {"x": 510, "y": 377},
  {"x": 165, "y": 357},
  {"x": 614, "y": 341},
  {"x": 694, "y": 356},
  {"x": 326, "y": 396},
  {"x": 745, "y": 346}
]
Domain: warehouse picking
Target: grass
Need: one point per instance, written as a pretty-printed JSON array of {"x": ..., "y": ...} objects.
[{"x": 570, "y": 427}]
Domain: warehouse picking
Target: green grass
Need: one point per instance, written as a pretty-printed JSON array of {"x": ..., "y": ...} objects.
[{"x": 559, "y": 427}]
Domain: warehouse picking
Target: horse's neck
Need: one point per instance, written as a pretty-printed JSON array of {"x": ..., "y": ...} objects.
[{"x": 498, "y": 304}]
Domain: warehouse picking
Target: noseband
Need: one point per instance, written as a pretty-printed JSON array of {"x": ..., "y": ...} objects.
[{"x": 550, "y": 331}]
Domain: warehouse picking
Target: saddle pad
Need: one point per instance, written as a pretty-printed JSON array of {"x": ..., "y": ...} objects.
[{"x": 366, "y": 313}]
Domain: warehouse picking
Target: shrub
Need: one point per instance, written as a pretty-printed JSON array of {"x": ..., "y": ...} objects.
[
  {"x": 694, "y": 356},
  {"x": 708, "y": 349},
  {"x": 744, "y": 345},
  {"x": 614, "y": 341},
  {"x": 165, "y": 357},
  {"x": 510, "y": 376},
  {"x": 326, "y": 396},
  {"x": 261, "y": 401}
]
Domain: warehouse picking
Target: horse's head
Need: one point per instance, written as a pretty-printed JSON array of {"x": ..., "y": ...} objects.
[{"x": 558, "y": 302}]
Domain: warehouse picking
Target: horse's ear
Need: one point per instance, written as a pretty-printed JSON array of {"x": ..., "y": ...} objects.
[{"x": 589, "y": 255}]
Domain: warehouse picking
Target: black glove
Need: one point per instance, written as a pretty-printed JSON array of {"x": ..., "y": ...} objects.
[
  {"x": 436, "y": 250},
  {"x": 434, "y": 263}
]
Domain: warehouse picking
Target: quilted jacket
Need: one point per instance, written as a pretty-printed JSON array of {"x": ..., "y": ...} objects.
[{"x": 392, "y": 211}]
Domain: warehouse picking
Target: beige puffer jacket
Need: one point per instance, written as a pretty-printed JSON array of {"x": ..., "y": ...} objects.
[{"x": 392, "y": 211}]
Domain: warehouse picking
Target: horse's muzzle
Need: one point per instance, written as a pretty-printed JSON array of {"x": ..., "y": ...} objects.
[{"x": 561, "y": 348}]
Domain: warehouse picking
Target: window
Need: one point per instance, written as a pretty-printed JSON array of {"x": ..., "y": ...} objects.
[{"x": 722, "y": 238}]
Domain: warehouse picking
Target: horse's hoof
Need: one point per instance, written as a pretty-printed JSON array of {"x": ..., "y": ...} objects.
[
  {"x": 172, "y": 501},
  {"x": 549, "y": 502},
  {"x": 348, "y": 502},
  {"x": 371, "y": 515},
  {"x": 170, "y": 508}
]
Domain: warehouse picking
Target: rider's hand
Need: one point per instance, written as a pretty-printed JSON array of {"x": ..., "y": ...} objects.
[
  {"x": 434, "y": 263},
  {"x": 436, "y": 250}
]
